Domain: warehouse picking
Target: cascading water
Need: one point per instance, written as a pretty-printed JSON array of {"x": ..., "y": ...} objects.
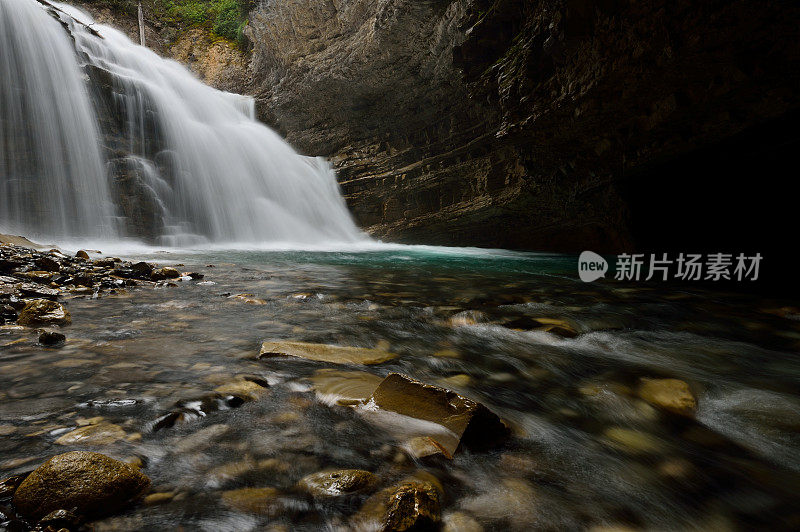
[
  {"x": 145, "y": 148},
  {"x": 52, "y": 177}
]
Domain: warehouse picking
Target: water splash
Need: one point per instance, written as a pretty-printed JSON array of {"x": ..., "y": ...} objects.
[{"x": 159, "y": 155}]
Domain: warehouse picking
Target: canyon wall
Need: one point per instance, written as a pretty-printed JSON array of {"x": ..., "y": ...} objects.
[{"x": 525, "y": 124}]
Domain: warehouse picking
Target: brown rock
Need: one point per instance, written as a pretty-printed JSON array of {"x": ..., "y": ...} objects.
[
  {"x": 470, "y": 422},
  {"x": 164, "y": 273},
  {"x": 334, "y": 354},
  {"x": 673, "y": 395},
  {"x": 42, "y": 311},
  {"x": 412, "y": 505},
  {"x": 261, "y": 501},
  {"x": 102, "y": 433},
  {"x": 92, "y": 483},
  {"x": 82, "y": 255},
  {"x": 337, "y": 482}
]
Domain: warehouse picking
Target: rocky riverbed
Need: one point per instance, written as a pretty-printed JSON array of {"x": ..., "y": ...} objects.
[{"x": 392, "y": 389}]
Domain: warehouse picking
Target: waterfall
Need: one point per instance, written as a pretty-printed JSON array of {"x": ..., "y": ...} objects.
[
  {"x": 52, "y": 176},
  {"x": 101, "y": 137}
]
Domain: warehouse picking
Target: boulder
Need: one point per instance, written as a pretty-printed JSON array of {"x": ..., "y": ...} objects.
[
  {"x": 47, "y": 264},
  {"x": 164, "y": 273},
  {"x": 43, "y": 311},
  {"x": 51, "y": 338},
  {"x": 673, "y": 395},
  {"x": 337, "y": 482},
  {"x": 333, "y": 354},
  {"x": 142, "y": 267},
  {"x": 82, "y": 255},
  {"x": 414, "y": 504},
  {"x": 90, "y": 483},
  {"x": 466, "y": 422}
]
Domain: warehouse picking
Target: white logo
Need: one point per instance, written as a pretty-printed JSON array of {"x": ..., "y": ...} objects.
[{"x": 591, "y": 266}]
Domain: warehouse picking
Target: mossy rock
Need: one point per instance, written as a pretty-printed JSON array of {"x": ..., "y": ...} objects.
[
  {"x": 44, "y": 311},
  {"x": 92, "y": 483}
]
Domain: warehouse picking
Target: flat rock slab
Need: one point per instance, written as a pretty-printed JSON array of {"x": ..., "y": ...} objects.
[
  {"x": 333, "y": 354},
  {"x": 470, "y": 422}
]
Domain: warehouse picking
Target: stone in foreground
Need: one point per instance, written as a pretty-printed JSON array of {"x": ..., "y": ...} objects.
[
  {"x": 467, "y": 422},
  {"x": 43, "y": 311},
  {"x": 673, "y": 395},
  {"x": 92, "y": 483},
  {"x": 333, "y": 354},
  {"x": 414, "y": 504},
  {"x": 338, "y": 482}
]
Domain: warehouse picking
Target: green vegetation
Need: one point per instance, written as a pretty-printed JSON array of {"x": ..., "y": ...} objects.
[{"x": 225, "y": 18}]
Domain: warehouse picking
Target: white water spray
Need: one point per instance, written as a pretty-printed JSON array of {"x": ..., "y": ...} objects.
[{"x": 204, "y": 167}]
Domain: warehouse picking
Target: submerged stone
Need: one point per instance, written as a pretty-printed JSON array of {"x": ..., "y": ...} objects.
[
  {"x": 333, "y": 354},
  {"x": 90, "y": 483},
  {"x": 337, "y": 482},
  {"x": 470, "y": 422},
  {"x": 673, "y": 395},
  {"x": 414, "y": 504},
  {"x": 261, "y": 501},
  {"x": 102, "y": 433},
  {"x": 43, "y": 311},
  {"x": 344, "y": 387},
  {"x": 51, "y": 338}
]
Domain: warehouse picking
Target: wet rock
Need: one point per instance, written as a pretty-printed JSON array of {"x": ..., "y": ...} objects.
[
  {"x": 59, "y": 520},
  {"x": 632, "y": 441},
  {"x": 261, "y": 501},
  {"x": 142, "y": 268},
  {"x": 250, "y": 299},
  {"x": 90, "y": 483},
  {"x": 242, "y": 388},
  {"x": 8, "y": 314},
  {"x": 470, "y": 423},
  {"x": 195, "y": 276},
  {"x": 333, "y": 354},
  {"x": 558, "y": 327},
  {"x": 337, "y": 482},
  {"x": 456, "y": 381},
  {"x": 162, "y": 497},
  {"x": 673, "y": 395},
  {"x": 52, "y": 338},
  {"x": 344, "y": 387},
  {"x": 460, "y": 522},
  {"x": 82, "y": 254},
  {"x": 43, "y": 311},
  {"x": 413, "y": 504},
  {"x": 36, "y": 290},
  {"x": 164, "y": 273},
  {"x": 47, "y": 263},
  {"x": 513, "y": 500},
  {"x": 102, "y": 433},
  {"x": 423, "y": 447},
  {"x": 202, "y": 438},
  {"x": 9, "y": 485}
]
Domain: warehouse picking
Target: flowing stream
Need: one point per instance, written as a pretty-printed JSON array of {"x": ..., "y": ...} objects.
[
  {"x": 145, "y": 149},
  {"x": 586, "y": 452}
]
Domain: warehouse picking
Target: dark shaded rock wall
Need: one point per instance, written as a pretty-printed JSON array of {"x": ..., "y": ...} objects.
[{"x": 511, "y": 123}]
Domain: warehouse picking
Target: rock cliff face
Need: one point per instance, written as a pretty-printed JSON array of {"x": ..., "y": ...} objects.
[
  {"x": 516, "y": 124},
  {"x": 557, "y": 125}
]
